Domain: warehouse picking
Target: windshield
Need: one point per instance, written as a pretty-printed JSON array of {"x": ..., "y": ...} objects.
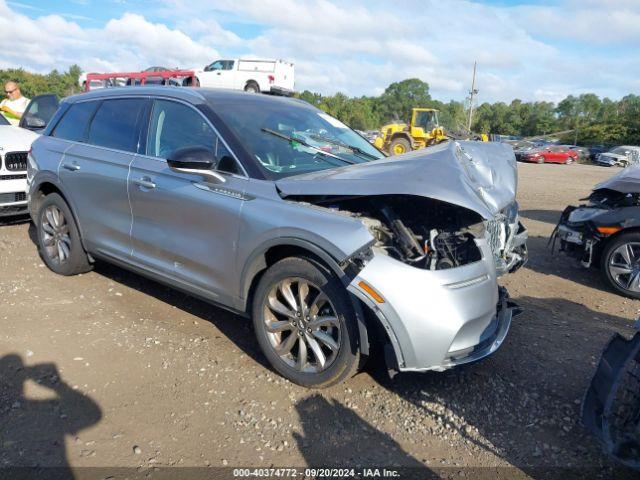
[
  {"x": 427, "y": 120},
  {"x": 289, "y": 138}
]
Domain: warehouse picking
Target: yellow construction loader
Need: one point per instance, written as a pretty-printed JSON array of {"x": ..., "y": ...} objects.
[{"x": 423, "y": 131}]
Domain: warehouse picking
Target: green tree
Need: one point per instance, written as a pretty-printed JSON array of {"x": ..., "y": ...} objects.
[{"x": 400, "y": 97}]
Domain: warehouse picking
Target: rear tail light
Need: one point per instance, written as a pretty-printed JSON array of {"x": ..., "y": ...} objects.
[{"x": 272, "y": 79}]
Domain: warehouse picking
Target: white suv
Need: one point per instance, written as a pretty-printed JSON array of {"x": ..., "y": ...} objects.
[{"x": 15, "y": 143}]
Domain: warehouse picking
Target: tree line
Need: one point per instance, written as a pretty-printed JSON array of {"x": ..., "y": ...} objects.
[
  {"x": 590, "y": 119},
  {"x": 586, "y": 119}
]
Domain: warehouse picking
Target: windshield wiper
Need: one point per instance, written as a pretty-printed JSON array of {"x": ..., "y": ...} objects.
[
  {"x": 302, "y": 142},
  {"x": 353, "y": 148}
]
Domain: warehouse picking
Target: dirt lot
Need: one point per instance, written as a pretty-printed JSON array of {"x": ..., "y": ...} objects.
[{"x": 150, "y": 377}]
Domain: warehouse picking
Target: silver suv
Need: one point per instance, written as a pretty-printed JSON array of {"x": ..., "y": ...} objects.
[{"x": 275, "y": 210}]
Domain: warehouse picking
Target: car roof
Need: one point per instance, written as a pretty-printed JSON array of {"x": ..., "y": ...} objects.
[{"x": 192, "y": 95}]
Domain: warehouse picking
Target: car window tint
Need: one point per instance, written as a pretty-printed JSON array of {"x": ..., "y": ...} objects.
[
  {"x": 173, "y": 126},
  {"x": 226, "y": 162},
  {"x": 115, "y": 124},
  {"x": 73, "y": 124}
]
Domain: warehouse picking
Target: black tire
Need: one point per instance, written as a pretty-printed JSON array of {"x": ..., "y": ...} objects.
[
  {"x": 568, "y": 161},
  {"x": 77, "y": 260},
  {"x": 399, "y": 142},
  {"x": 347, "y": 359},
  {"x": 251, "y": 87},
  {"x": 191, "y": 82},
  {"x": 541, "y": 160},
  {"x": 609, "y": 249}
]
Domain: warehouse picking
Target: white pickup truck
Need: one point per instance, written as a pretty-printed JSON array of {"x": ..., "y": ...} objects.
[{"x": 250, "y": 75}]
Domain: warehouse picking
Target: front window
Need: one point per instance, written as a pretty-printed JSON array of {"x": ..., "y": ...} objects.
[
  {"x": 288, "y": 138},
  {"x": 220, "y": 65}
]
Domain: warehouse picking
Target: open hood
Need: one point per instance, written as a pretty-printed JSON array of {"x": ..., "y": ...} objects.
[
  {"x": 476, "y": 175},
  {"x": 627, "y": 181}
]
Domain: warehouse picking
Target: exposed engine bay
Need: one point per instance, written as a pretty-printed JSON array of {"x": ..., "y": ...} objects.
[{"x": 422, "y": 232}]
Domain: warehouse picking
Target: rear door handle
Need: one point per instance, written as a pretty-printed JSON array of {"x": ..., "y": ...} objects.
[
  {"x": 74, "y": 167},
  {"x": 145, "y": 182}
]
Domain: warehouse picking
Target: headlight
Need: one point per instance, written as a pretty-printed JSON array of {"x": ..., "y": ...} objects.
[{"x": 583, "y": 214}]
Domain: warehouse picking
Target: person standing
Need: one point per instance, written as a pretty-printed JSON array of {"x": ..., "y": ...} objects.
[{"x": 15, "y": 104}]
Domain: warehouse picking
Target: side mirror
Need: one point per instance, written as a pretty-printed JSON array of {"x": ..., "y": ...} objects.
[
  {"x": 34, "y": 122},
  {"x": 197, "y": 161}
]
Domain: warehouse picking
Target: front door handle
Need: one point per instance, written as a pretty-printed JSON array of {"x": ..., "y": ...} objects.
[
  {"x": 145, "y": 182},
  {"x": 73, "y": 167}
]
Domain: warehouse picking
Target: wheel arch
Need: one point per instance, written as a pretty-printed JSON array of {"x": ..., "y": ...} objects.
[
  {"x": 46, "y": 186},
  {"x": 275, "y": 250},
  {"x": 250, "y": 81},
  {"x": 402, "y": 134}
]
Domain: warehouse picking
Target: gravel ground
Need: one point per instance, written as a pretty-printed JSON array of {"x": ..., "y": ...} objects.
[{"x": 108, "y": 369}]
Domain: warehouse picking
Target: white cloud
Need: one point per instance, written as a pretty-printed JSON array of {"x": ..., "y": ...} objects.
[
  {"x": 125, "y": 44},
  {"x": 531, "y": 52}
]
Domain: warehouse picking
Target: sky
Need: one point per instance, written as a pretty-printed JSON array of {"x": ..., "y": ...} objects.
[{"x": 531, "y": 50}]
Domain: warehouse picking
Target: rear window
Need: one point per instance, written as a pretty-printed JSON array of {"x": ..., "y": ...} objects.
[
  {"x": 73, "y": 124},
  {"x": 115, "y": 124}
]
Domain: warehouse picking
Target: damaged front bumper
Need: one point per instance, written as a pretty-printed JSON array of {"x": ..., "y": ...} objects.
[
  {"x": 437, "y": 319},
  {"x": 575, "y": 238}
]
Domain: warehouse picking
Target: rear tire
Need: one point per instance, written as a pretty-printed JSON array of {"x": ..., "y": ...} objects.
[
  {"x": 398, "y": 146},
  {"x": 541, "y": 160},
  {"x": 615, "y": 261},
  {"x": 59, "y": 242},
  {"x": 305, "y": 323},
  {"x": 252, "y": 87}
]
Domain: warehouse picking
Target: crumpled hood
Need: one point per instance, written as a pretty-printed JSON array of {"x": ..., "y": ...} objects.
[
  {"x": 480, "y": 176},
  {"x": 626, "y": 181}
]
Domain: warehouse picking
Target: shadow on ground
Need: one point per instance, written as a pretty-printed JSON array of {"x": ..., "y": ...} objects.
[
  {"x": 547, "y": 261},
  {"x": 547, "y": 216},
  {"x": 14, "y": 220},
  {"x": 33, "y": 431},
  {"x": 336, "y": 436}
]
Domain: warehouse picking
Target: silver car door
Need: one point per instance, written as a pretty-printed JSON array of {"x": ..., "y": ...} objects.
[
  {"x": 183, "y": 227},
  {"x": 95, "y": 173}
]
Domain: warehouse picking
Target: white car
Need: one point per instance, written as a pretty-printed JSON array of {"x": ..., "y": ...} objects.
[
  {"x": 250, "y": 75},
  {"x": 15, "y": 143}
]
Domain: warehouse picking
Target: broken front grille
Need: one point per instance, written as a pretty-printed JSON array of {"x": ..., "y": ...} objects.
[
  {"x": 496, "y": 234},
  {"x": 15, "y": 161}
]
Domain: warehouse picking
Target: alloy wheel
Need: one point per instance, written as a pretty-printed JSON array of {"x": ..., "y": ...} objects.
[
  {"x": 55, "y": 235},
  {"x": 624, "y": 266},
  {"x": 302, "y": 325}
]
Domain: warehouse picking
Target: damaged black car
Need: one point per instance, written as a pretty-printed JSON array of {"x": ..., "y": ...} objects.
[{"x": 605, "y": 232}]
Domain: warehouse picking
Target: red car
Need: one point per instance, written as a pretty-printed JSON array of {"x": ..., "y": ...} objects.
[{"x": 551, "y": 154}]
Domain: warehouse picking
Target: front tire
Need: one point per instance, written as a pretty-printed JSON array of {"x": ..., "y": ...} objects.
[
  {"x": 620, "y": 264},
  {"x": 305, "y": 323},
  {"x": 59, "y": 242}
]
